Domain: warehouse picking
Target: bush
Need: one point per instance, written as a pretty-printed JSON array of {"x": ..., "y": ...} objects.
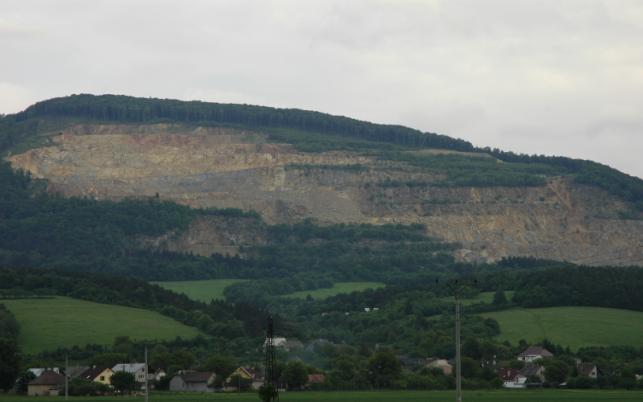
[
  {"x": 582, "y": 383},
  {"x": 80, "y": 387}
]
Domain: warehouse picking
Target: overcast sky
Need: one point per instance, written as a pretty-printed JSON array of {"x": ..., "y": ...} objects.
[{"x": 553, "y": 77}]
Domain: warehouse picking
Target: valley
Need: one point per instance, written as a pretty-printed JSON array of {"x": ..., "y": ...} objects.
[{"x": 183, "y": 226}]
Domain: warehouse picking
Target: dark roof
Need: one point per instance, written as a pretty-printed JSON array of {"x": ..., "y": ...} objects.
[
  {"x": 49, "y": 378},
  {"x": 585, "y": 369},
  {"x": 197, "y": 376},
  {"x": 507, "y": 374},
  {"x": 536, "y": 351},
  {"x": 75, "y": 371},
  {"x": 91, "y": 373}
]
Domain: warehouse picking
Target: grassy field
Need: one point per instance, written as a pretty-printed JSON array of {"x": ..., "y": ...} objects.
[
  {"x": 46, "y": 324},
  {"x": 205, "y": 290},
  {"x": 571, "y": 326},
  {"x": 375, "y": 396},
  {"x": 338, "y": 288}
]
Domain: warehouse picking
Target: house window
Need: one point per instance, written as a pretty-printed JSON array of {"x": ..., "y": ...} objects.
[{"x": 102, "y": 378}]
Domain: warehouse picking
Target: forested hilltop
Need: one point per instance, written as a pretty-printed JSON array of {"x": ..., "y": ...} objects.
[{"x": 303, "y": 129}]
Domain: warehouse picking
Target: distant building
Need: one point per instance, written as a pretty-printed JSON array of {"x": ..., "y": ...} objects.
[
  {"x": 533, "y": 353},
  {"x": 277, "y": 341},
  {"x": 157, "y": 375},
  {"x": 509, "y": 378},
  {"x": 193, "y": 381},
  {"x": 530, "y": 375},
  {"x": 247, "y": 373},
  {"x": 101, "y": 375},
  {"x": 136, "y": 369},
  {"x": 315, "y": 379},
  {"x": 441, "y": 364},
  {"x": 286, "y": 344},
  {"x": 49, "y": 383},
  {"x": 588, "y": 370}
]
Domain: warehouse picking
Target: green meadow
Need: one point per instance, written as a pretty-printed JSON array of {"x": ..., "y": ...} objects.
[
  {"x": 47, "y": 324},
  {"x": 377, "y": 396},
  {"x": 202, "y": 290},
  {"x": 337, "y": 288},
  {"x": 571, "y": 326}
]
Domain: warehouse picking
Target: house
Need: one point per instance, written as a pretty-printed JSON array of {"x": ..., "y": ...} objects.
[
  {"x": 587, "y": 370},
  {"x": 193, "y": 381},
  {"x": 441, "y": 364},
  {"x": 247, "y": 373},
  {"x": 49, "y": 383},
  {"x": 277, "y": 341},
  {"x": 533, "y": 353},
  {"x": 98, "y": 374},
  {"x": 315, "y": 379},
  {"x": 136, "y": 369},
  {"x": 511, "y": 378},
  {"x": 157, "y": 375}
]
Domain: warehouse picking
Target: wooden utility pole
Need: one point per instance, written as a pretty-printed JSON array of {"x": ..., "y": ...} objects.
[
  {"x": 147, "y": 396},
  {"x": 456, "y": 287},
  {"x": 66, "y": 376}
]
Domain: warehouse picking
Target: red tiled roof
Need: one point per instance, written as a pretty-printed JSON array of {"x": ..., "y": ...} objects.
[
  {"x": 316, "y": 378},
  {"x": 508, "y": 374}
]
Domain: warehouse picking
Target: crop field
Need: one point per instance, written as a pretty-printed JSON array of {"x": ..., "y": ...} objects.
[
  {"x": 338, "y": 288},
  {"x": 378, "y": 396},
  {"x": 204, "y": 290},
  {"x": 46, "y": 324},
  {"x": 571, "y": 326}
]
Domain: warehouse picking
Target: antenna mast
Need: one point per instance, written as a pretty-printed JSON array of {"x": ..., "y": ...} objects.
[{"x": 270, "y": 377}]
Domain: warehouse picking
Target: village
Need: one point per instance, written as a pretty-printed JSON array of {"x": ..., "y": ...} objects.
[{"x": 526, "y": 370}]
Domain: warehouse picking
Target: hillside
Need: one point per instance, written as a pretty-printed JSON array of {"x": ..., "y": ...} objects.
[
  {"x": 46, "y": 324},
  {"x": 289, "y": 165},
  {"x": 571, "y": 326}
]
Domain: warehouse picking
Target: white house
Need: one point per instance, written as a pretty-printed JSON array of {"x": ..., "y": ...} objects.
[
  {"x": 192, "y": 381},
  {"x": 136, "y": 369},
  {"x": 533, "y": 353}
]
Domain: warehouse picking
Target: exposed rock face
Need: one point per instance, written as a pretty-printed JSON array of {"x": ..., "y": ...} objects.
[
  {"x": 213, "y": 234},
  {"x": 220, "y": 167}
]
